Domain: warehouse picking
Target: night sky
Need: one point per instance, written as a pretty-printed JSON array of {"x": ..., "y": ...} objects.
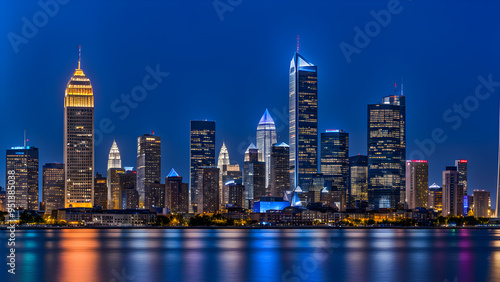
[{"x": 232, "y": 65}]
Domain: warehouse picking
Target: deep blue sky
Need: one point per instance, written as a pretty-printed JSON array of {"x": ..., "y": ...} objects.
[{"x": 232, "y": 70}]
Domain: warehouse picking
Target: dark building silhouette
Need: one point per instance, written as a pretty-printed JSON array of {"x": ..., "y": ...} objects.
[
  {"x": 280, "y": 169},
  {"x": 148, "y": 164}
]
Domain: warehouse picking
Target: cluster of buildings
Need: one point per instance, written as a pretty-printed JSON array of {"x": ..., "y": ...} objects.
[{"x": 313, "y": 176}]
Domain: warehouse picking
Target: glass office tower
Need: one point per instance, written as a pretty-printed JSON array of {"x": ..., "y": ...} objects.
[
  {"x": 266, "y": 137},
  {"x": 386, "y": 153},
  {"x": 335, "y": 159},
  {"x": 148, "y": 165},
  {"x": 303, "y": 117}
]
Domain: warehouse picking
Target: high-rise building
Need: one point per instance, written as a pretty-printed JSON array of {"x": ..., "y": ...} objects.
[
  {"x": 417, "y": 183},
  {"x": 303, "y": 116},
  {"x": 435, "y": 200},
  {"x": 114, "y": 161},
  {"x": 452, "y": 194},
  {"x": 129, "y": 196},
  {"x": 53, "y": 187},
  {"x": 266, "y": 137},
  {"x": 100, "y": 191},
  {"x": 280, "y": 169},
  {"x": 358, "y": 179},
  {"x": 148, "y": 164},
  {"x": 236, "y": 193},
  {"x": 114, "y": 188},
  {"x": 335, "y": 159},
  {"x": 227, "y": 172},
  {"x": 23, "y": 162},
  {"x": 208, "y": 200},
  {"x": 254, "y": 176},
  {"x": 176, "y": 193},
  {"x": 79, "y": 141},
  {"x": 202, "y": 153},
  {"x": 387, "y": 152},
  {"x": 462, "y": 174},
  {"x": 482, "y": 203},
  {"x": 155, "y": 196}
]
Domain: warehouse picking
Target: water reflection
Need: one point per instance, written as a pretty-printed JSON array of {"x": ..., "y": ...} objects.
[{"x": 257, "y": 255}]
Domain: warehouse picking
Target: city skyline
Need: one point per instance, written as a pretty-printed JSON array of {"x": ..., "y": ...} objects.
[{"x": 477, "y": 180}]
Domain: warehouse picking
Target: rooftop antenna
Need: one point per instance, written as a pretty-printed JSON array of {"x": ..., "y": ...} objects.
[
  {"x": 79, "y": 55},
  {"x": 401, "y": 86},
  {"x": 297, "y": 43},
  {"x": 25, "y": 139},
  {"x": 395, "y": 87}
]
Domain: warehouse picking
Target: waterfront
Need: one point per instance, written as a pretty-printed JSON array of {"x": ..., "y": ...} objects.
[{"x": 255, "y": 255}]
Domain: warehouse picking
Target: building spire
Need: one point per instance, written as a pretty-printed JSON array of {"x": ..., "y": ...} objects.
[
  {"x": 401, "y": 86},
  {"x": 79, "y": 55},
  {"x": 297, "y": 43}
]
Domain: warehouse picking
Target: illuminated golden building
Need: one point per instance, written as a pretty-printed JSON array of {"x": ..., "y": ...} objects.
[{"x": 79, "y": 141}]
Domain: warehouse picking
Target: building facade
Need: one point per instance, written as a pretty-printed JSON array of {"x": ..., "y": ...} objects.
[
  {"x": 53, "y": 187},
  {"x": 22, "y": 163},
  {"x": 417, "y": 183},
  {"x": 208, "y": 200},
  {"x": 462, "y": 174},
  {"x": 280, "y": 169},
  {"x": 482, "y": 203},
  {"x": 303, "y": 119},
  {"x": 114, "y": 161},
  {"x": 202, "y": 153},
  {"x": 114, "y": 188},
  {"x": 387, "y": 152},
  {"x": 335, "y": 159},
  {"x": 452, "y": 196},
  {"x": 176, "y": 193},
  {"x": 435, "y": 200},
  {"x": 358, "y": 179},
  {"x": 100, "y": 191},
  {"x": 254, "y": 178},
  {"x": 148, "y": 164}
]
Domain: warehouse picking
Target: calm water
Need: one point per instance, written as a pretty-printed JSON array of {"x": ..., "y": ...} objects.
[{"x": 255, "y": 255}]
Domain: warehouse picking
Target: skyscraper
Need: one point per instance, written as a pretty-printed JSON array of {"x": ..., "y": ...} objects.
[
  {"x": 79, "y": 141},
  {"x": 176, "y": 193},
  {"x": 451, "y": 195},
  {"x": 303, "y": 116},
  {"x": 114, "y": 161},
  {"x": 335, "y": 159},
  {"x": 148, "y": 164},
  {"x": 114, "y": 187},
  {"x": 481, "y": 203},
  {"x": 227, "y": 172},
  {"x": 358, "y": 179},
  {"x": 254, "y": 178},
  {"x": 386, "y": 152},
  {"x": 266, "y": 137},
  {"x": 280, "y": 169},
  {"x": 435, "y": 197},
  {"x": 53, "y": 187},
  {"x": 236, "y": 193},
  {"x": 100, "y": 191},
  {"x": 23, "y": 161},
  {"x": 208, "y": 200},
  {"x": 128, "y": 196},
  {"x": 462, "y": 174},
  {"x": 202, "y": 153},
  {"x": 417, "y": 183}
]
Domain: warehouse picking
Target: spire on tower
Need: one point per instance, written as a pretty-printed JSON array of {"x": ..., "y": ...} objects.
[
  {"x": 297, "y": 43},
  {"x": 79, "y": 55}
]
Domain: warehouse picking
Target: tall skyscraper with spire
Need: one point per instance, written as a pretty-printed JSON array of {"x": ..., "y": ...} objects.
[
  {"x": 79, "y": 141},
  {"x": 303, "y": 117},
  {"x": 228, "y": 172},
  {"x": 113, "y": 177},
  {"x": 266, "y": 137}
]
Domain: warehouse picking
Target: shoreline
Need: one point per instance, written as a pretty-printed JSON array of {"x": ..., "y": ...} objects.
[{"x": 249, "y": 227}]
